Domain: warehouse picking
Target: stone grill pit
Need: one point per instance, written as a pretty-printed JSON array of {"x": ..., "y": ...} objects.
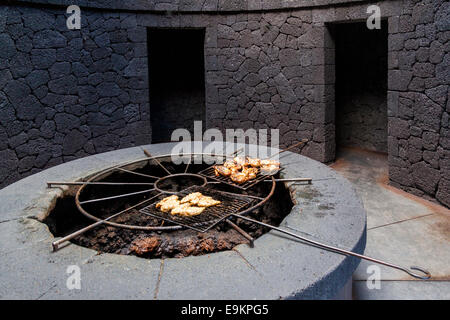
[
  {"x": 277, "y": 266},
  {"x": 65, "y": 217}
]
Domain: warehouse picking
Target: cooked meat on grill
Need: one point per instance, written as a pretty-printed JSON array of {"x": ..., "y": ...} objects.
[
  {"x": 269, "y": 169},
  {"x": 193, "y": 211},
  {"x": 168, "y": 203},
  {"x": 250, "y": 172},
  {"x": 180, "y": 209},
  {"x": 254, "y": 162},
  {"x": 191, "y": 205},
  {"x": 187, "y": 210},
  {"x": 241, "y": 170},
  {"x": 229, "y": 164},
  {"x": 240, "y": 161},
  {"x": 221, "y": 171},
  {"x": 239, "y": 177},
  {"x": 269, "y": 166},
  {"x": 206, "y": 201},
  {"x": 232, "y": 165},
  {"x": 268, "y": 162},
  {"x": 192, "y": 197}
]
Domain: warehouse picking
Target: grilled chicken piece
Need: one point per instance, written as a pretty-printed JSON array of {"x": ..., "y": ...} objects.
[
  {"x": 222, "y": 171},
  {"x": 250, "y": 172},
  {"x": 187, "y": 210},
  {"x": 254, "y": 162},
  {"x": 206, "y": 201},
  {"x": 167, "y": 200},
  {"x": 168, "y": 203},
  {"x": 240, "y": 161},
  {"x": 191, "y": 197},
  {"x": 179, "y": 210},
  {"x": 232, "y": 165},
  {"x": 239, "y": 177},
  {"x": 269, "y": 169},
  {"x": 268, "y": 162},
  {"x": 229, "y": 163},
  {"x": 193, "y": 211}
]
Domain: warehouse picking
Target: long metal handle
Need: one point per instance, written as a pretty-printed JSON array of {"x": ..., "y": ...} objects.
[
  {"x": 50, "y": 184},
  {"x": 148, "y": 154},
  {"x": 426, "y": 275},
  {"x": 289, "y": 148},
  {"x": 242, "y": 232},
  {"x": 309, "y": 180},
  {"x": 117, "y": 196}
]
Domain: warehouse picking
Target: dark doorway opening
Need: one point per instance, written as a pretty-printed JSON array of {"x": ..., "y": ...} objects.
[
  {"x": 176, "y": 80},
  {"x": 361, "y": 86}
]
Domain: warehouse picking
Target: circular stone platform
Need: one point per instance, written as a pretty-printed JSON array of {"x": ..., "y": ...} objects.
[{"x": 328, "y": 210}]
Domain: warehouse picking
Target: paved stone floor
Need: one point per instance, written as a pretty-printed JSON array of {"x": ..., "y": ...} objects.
[{"x": 401, "y": 229}]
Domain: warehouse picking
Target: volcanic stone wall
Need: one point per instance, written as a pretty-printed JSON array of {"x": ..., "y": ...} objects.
[
  {"x": 418, "y": 99},
  {"x": 267, "y": 71},
  {"x": 65, "y": 94}
]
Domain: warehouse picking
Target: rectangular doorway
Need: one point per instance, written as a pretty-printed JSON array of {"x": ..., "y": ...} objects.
[
  {"x": 176, "y": 80},
  {"x": 361, "y": 86}
]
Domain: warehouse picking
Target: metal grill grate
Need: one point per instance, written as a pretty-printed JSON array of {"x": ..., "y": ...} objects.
[
  {"x": 209, "y": 217},
  {"x": 209, "y": 173}
]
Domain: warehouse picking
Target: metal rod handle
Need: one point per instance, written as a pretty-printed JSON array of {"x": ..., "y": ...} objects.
[
  {"x": 426, "y": 275},
  {"x": 118, "y": 196},
  {"x": 138, "y": 173},
  {"x": 291, "y": 179},
  {"x": 79, "y": 183},
  {"x": 242, "y": 232},
  {"x": 289, "y": 148},
  {"x": 148, "y": 154}
]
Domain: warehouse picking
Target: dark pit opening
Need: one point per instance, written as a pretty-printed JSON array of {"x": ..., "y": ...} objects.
[
  {"x": 176, "y": 80},
  {"x": 65, "y": 219},
  {"x": 361, "y": 86}
]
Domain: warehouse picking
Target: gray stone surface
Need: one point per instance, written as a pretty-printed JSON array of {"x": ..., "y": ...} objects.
[
  {"x": 57, "y": 113},
  {"x": 276, "y": 268}
]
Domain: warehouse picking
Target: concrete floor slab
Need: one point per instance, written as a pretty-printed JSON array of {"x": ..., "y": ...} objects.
[
  {"x": 423, "y": 242},
  {"x": 368, "y": 171},
  {"x": 401, "y": 229}
]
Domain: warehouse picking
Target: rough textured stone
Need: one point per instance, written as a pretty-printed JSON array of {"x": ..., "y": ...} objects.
[
  {"x": 99, "y": 76},
  {"x": 37, "y": 78},
  {"x": 7, "y": 48}
]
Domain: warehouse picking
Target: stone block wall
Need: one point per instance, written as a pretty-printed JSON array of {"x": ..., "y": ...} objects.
[
  {"x": 418, "y": 97},
  {"x": 266, "y": 70},
  {"x": 65, "y": 94}
]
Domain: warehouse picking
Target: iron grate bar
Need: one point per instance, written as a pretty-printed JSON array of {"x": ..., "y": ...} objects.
[{"x": 209, "y": 217}]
